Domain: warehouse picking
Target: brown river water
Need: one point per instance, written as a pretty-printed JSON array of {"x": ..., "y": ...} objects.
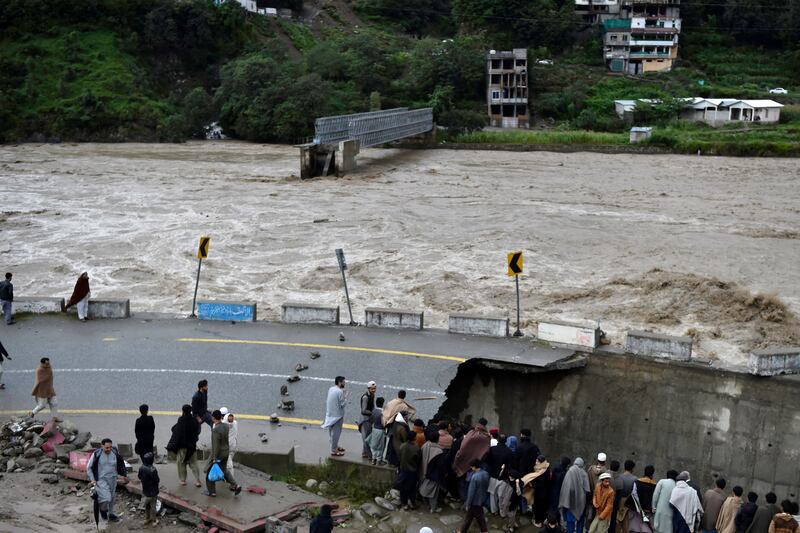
[{"x": 421, "y": 229}]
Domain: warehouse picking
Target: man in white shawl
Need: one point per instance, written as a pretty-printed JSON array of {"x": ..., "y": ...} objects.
[
  {"x": 574, "y": 495},
  {"x": 686, "y": 506},
  {"x": 334, "y": 414},
  {"x": 233, "y": 434}
]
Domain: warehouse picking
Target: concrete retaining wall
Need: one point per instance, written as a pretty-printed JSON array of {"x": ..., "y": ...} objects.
[
  {"x": 569, "y": 333},
  {"x": 37, "y": 305},
  {"x": 394, "y": 318},
  {"x": 229, "y": 311},
  {"x": 657, "y": 345},
  {"x": 106, "y": 309},
  {"x": 303, "y": 313},
  {"x": 684, "y": 416},
  {"x": 478, "y": 325},
  {"x": 775, "y": 361}
]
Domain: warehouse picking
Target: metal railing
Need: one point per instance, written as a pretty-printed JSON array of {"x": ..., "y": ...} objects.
[{"x": 373, "y": 128}]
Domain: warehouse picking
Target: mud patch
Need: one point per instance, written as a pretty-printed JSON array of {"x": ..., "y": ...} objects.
[{"x": 725, "y": 314}]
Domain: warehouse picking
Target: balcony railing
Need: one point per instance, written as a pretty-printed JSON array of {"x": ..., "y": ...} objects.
[{"x": 650, "y": 54}]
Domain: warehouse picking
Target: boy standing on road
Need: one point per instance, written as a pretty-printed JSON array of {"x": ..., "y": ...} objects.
[
  {"x": 148, "y": 475},
  {"x": 200, "y": 404}
]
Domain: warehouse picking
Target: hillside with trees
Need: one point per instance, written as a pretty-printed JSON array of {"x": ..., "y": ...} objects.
[{"x": 114, "y": 70}]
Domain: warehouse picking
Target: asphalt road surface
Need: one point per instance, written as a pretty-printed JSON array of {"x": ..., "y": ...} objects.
[{"x": 116, "y": 365}]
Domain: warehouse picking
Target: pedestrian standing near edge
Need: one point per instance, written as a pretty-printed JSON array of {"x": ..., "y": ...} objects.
[
  {"x": 334, "y": 414},
  {"x": 687, "y": 511},
  {"x": 377, "y": 438},
  {"x": 476, "y": 494},
  {"x": 148, "y": 475},
  {"x": 603, "y": 503},
  {"x": 233, "y": 435},
  {"x": 145, "y": 430},
  {"x": 713, "y": 500},
  {"x": 43, "y": 390},
  {"x": 765, "y": 514},
  {"x": 408, "y": 473},
  {"x": 726, "y": 522},
  {"x": 80, "y": 297},
  {"x": 662, "y": 520},
  {"x": 103, "y": 467},
  {"x": 200, "y": 404},
  {"x": 184, "y": 443},
  {"x": 784, "y": 522},
  {"x": 365, "y": 424},
  {"x": 3, "y": 354},
  {"x": 220, "y": 449},
  {"x": 6, "y": 298},
  {"x": 575, "y": 494}
]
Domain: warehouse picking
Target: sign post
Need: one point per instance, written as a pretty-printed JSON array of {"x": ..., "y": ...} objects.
[
  {"x": 515, "y": 269},
  {"x": 202, "y": 253},
  {"x": 343, "y": 267}
]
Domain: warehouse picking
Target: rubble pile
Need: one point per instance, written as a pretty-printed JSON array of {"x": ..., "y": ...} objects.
[{"x": 29, "y": 444}]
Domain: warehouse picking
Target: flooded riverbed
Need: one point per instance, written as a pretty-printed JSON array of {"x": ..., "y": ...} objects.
[{"x": 421, "y": 229}]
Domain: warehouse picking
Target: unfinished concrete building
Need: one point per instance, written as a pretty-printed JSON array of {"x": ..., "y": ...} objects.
[
  {"x": 641, "y": 37},
  {"x": 597, "y": 11},
  {"x": 507, "y": 88}
]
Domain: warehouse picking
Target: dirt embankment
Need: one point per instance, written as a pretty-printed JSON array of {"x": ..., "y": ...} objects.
[{"x": 717, "y": 314}]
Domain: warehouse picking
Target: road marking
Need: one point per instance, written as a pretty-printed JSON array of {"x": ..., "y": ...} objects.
[
  {"x": 110, "y": 339},
  {"x": 327, "y": 347},
  {"x": 305, "y": 421},
  {"x": 214, "y": 373}
]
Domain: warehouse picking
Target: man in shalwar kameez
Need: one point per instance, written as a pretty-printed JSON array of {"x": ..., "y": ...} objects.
[{"x": 104, "y": 466}]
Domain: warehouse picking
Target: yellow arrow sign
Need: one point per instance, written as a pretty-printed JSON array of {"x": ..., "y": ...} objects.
[
  {"x": 202, "y": 250},
  {"x": 514, "y": 263}
]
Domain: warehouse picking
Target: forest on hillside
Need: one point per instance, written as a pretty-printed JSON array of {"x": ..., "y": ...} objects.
[{"x": 163, "y": 69}]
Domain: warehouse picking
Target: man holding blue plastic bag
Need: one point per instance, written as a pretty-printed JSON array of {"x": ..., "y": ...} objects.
[{"x": 217, "y": 468}]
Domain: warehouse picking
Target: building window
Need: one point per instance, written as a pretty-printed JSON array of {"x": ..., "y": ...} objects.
[
  {"x": 613, "y": 37},
  {"x": 495, "y": 95}
]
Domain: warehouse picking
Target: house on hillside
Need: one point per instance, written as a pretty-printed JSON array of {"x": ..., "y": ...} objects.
[
  {"x": 712, "y": 111},
  {"x": 638, "y": 35},
  {"x": 507, "y": 88}
]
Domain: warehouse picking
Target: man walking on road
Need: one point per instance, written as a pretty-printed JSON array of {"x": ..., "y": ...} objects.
[
  {"x": 365, "y": 424},
  {"x": 43, "y": 390},
  {"x": 7, "y": 297},
  {"x": 220, "y": 449},
  {"x": 103, "y": 467},
  {"x": 145, "y": 431},
  {"x": 200, "y": 404},
  {"x": 334, "y": 414},
  {"x": 3, "y": 354}
]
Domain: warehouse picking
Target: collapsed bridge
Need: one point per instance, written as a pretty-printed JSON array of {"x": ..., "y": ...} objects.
[{"x": 347, "y": 134}]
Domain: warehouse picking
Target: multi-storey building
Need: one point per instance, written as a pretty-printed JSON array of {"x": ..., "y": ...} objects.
[
  {"x": 507, "y": 88},
  {"x": 597, "y": 11},
  {"x": 643, "y": 37}
]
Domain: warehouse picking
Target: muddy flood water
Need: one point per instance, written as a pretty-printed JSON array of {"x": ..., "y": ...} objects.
[{"x": 674, "y": 244}]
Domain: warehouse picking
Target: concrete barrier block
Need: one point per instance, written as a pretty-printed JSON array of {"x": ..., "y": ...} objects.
[
  {"x": 657, "y": 345},
  {"x": 229, "y": 311},
  {"x": 478, "y": 325},
  {"x": 269, "y": 462},
  {"x": 394, "y": 318},
  {"x": 585, "y": 335},
  {"x": 37, "y": 305},
  {"x": 303, "y": 313},
  {"x": 775, "y": 361},
  {"x": 106, "y": 309}
]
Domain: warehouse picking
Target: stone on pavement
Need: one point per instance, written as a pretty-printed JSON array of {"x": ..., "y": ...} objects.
[
  {"x": 372, "y": 510},
  {"x": 386, "y": 504}
]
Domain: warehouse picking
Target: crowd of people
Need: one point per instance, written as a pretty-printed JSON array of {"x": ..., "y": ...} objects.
[{"x": 508, "y": 475}]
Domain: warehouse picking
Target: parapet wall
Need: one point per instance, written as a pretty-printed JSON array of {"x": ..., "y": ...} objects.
[{"x": 668, "y": 414}]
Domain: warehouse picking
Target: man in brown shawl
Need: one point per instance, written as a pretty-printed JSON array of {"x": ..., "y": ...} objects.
[
  {"x": 80, "y": 296},
  {"x": 474, "y": 446},
  {"x": 43, "y": 389}
]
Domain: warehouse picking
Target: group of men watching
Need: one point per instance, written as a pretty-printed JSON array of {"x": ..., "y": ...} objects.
[{"x": 509, "y": 476}]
